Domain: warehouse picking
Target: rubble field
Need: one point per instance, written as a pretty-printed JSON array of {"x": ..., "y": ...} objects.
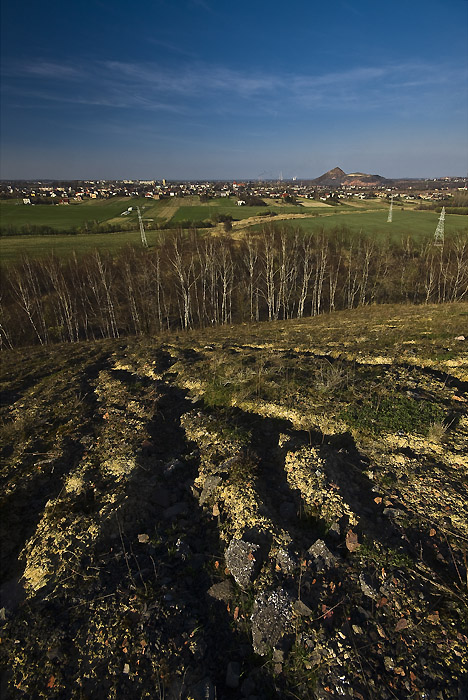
[{"x": 276, "y": 510}]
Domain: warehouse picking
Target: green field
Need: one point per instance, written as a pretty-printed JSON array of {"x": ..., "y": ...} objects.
[
  {"x": 66, "y": 217},
  {"x": 225, "y": 205},
  {"x": 13, "y": 247},
  {"x": 416, "y": 224},
  {"x": 357, "y": 217},
  {"x": 63, "y": 217},
  {"x": 205, "y": 212}
]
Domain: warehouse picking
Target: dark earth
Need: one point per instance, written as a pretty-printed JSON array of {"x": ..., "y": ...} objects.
[{"x": 268, "y": 511}]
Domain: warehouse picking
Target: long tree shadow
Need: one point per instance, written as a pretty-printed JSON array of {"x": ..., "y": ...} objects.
[
  {"x": 22, "y": 509},
  {"x": 384, "y": 521},
  {"x": 145, "y": 580},
  {"x": 178, "y": 563},
  {"x": 277, "y": 500},
  {"x": 344, "y": 468}
]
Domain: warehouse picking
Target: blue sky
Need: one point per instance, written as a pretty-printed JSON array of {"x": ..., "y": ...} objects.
[{"x": 205, "y": 89}]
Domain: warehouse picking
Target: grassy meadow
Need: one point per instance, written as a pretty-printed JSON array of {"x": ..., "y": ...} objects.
[
  {"x": 228, "y": 206},
  {"x": 418, "y": 225},
  {"x": 367, "y": 216},
  {"x": 13, "y": 247},
  {"x": 63, "y": 217}
]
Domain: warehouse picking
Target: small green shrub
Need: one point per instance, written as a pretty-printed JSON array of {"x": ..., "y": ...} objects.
[
  {"x": 437, "y": 431},
  {"x": 393, "y": 413},
  {"x": 218, "y": 393},
  {"x": 384, "y": 556}
]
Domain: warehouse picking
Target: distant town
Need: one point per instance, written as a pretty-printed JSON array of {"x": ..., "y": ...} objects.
[{"x": 335, "y": 184}]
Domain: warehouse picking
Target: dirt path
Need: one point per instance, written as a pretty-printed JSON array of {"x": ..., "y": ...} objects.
[
  {"x": 239, "y": 226},
  {"x": 168, "y": 210}
]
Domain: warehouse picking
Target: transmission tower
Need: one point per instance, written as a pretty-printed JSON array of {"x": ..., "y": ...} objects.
[
  {"x": 142, "y": 229},
  {"x": 439, "y": 232},
  {"x": 390, "y": 211}
]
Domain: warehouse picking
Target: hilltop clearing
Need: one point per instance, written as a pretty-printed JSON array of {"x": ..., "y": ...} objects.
[{"x": 273, "y": 510}]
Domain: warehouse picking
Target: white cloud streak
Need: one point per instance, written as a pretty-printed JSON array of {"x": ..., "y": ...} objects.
[{"x": 196, "y": 87}]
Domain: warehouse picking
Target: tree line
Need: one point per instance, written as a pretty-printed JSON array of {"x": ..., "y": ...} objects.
[
  {"x": 92, "y": 227},
  {"x": 194, "y": 280}
]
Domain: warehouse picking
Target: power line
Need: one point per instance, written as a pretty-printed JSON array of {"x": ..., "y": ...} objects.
[
  {"x": 439, "y": 232},
  {"x": 390, "y": 211}
]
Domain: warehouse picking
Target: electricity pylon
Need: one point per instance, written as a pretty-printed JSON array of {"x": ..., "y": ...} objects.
[
  {"x": 140, "y": 221},
  {"x": 390, "y": 211},
  {"x": 439, "y": 232},
  {"x": 142, "y": 229}
]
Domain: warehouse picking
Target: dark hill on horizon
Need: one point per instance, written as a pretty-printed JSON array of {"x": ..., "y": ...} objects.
[{"x": 337, "y": 177}]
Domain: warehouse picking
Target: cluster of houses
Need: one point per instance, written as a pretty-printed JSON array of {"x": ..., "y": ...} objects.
[{"x": 78, "y": 191}]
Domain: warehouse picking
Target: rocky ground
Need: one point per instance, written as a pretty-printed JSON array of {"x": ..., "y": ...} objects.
[{"x": 269, "y": 511}]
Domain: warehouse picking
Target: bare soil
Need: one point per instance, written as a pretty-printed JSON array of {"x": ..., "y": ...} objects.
[{"x": 333, "y": 449}]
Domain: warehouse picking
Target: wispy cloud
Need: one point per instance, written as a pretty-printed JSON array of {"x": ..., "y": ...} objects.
[
  {"x": 43, "y": 70},
  {"x": 115, "y": 98},
  {"x": 170, "y": 46},
  {"x": 195, "y": 88}
]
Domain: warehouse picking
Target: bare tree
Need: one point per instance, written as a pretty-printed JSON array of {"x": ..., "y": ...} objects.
[{"x": 26, "y": 288}]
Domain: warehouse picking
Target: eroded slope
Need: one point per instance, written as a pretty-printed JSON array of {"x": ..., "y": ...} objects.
[{"x": 268, "y": 511}]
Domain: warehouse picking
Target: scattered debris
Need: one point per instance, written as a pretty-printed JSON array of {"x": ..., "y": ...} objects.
[
  {"x": 170, "y": 538},
  {"x": 243, "y": 561},
  {"x": 270, "y": 620}
]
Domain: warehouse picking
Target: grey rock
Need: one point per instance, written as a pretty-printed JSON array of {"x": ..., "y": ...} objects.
[
  {"x": 54, "y": 654},
  {"x": 392, "y": 512},
  {"x": 233, "y": 674},
  {"x": 334, "y": 532},
  {"x": 365, "y": 614},
  {"x": 323, "y": 558},
  {"x": 302, "y": 609},
  {"x": 243, "y": 561},
  {"x": 278, "y": 656},
  {"x": 287, "y": 562},
  {"x": 271, "y": 619},
  {"x": 209, "y": 487},
  {"x": 174, "y": 511},
  {"x": 221, "y": 591},
  {"x": 366, "y": 586}
]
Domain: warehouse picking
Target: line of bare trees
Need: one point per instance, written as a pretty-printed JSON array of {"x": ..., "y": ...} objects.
[{"x": 193, "y": 280}]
